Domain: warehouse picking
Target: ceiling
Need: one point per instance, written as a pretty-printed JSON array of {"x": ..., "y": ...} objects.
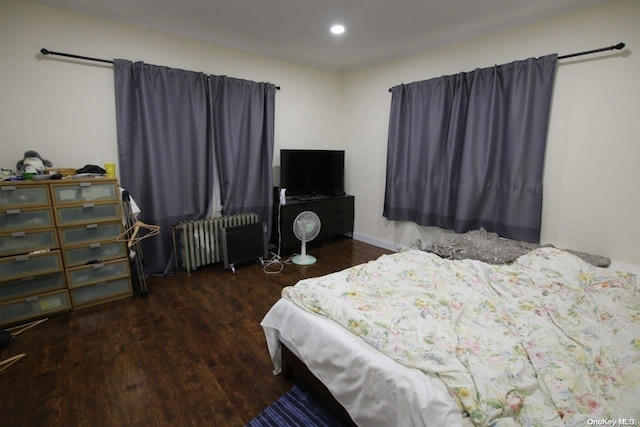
[{"x": 298, "y": 30}]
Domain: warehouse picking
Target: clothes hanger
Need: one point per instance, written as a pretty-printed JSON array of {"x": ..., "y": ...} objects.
[
  {"x": 10, "y": 361},
  {"x": 17, "y": 330},
  {"x": 152, "y": 230}
]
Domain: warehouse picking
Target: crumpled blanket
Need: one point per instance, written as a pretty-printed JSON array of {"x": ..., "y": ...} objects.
[
  {"x": 493, "y": 249},
  {"x": 546, "y": 340}
]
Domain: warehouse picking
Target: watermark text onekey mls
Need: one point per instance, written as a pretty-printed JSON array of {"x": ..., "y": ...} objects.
[{"x": 607, "y": 422}]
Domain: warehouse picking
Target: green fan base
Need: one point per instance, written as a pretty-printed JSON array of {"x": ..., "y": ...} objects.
[{"x": 303, "y": 259}]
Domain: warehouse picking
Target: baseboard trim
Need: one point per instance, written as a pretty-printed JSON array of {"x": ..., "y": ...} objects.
[{"x": 384, "y": 244}]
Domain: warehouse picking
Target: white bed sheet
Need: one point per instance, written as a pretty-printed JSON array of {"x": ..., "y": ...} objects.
[{"x": 375, "y": 390}]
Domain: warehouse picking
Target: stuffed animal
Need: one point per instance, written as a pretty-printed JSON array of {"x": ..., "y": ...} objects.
[{"x": 32, "y": 163}]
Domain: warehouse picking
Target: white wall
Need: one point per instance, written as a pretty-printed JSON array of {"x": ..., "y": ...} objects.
[
  {"x": 65, "y": 109},
  {"x": 592, "y": 175}
]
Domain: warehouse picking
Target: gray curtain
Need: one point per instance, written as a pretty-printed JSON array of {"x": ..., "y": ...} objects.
[
  {"x": 179, "y": 134},
  {"x": 243, "y": 135},
  {"x": 467, "y": 151},
  {"x": 165, "y": 150}
]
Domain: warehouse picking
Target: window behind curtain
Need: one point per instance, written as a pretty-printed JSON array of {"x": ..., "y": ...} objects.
[
  {"x": 243, "y": 115},
  {"x": 467, "y": 151},
  {"x": 171, "y": 124},
  {"x": 164, "y": 150}
]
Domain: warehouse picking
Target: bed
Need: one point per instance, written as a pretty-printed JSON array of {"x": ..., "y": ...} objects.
[{"x": 415, "y": 339}]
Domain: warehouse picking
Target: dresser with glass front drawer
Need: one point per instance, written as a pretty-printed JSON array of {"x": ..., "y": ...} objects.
[
  {"x": 59, "y": 247},
  {"x": 88, "y": 215},
  {"x": 32, "y": 276}
]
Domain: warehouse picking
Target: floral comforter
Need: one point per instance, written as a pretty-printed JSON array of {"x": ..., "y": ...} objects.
[{"x": 546, "y": 340}]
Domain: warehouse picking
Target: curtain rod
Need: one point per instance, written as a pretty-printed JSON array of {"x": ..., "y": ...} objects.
[
  {"x": 619, "y": 46},
  {"x": 106, "y": 61}
]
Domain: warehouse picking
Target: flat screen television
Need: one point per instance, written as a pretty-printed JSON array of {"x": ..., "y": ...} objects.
[{"x": 312, "y": 173}]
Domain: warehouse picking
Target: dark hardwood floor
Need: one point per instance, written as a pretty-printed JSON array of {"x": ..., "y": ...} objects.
[{"x": 192, "y": 353}]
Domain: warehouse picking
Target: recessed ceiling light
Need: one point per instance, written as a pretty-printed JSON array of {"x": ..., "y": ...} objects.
[{"x": 337, "y": 29}]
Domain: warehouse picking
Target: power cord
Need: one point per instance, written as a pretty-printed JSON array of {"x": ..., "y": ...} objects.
[{"x": 275, "y": 265}]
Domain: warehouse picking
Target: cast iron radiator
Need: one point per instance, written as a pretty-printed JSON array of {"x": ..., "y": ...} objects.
[{"x": 198, "y": 242}]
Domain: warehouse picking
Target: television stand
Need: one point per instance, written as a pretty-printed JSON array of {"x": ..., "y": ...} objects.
[
  {"x": 336, "y": 218},
  {"x": 310, "y": 198}
]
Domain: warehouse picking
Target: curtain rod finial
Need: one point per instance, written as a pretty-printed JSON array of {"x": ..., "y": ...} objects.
[
  {"x": 44, "y": 51},
  {"x": 619, "y": 46}
]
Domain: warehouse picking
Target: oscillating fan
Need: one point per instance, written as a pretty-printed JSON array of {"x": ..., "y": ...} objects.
[{"x": 306, "y": 227}]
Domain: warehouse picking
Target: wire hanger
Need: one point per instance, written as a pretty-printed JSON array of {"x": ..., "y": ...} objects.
[{"x": 152, "y": 230}]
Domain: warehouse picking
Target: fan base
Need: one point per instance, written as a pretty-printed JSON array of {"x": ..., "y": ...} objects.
[{"x": 303, "y": 259}]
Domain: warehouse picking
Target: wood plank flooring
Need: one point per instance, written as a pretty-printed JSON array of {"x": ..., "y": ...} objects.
[{"x": 192, "y": 353}]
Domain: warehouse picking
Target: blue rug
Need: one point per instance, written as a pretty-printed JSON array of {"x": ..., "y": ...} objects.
[{"x": 297, "y": 407}]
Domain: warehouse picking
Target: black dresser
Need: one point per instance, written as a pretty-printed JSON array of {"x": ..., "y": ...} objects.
[{"x": 336, "y": 217}]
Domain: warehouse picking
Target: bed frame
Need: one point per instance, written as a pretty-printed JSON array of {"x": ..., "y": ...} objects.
[{"x": 294, "y": 369}]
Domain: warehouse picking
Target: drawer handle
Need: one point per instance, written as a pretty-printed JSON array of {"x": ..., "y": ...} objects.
[
  {"x": 85, "y": 184},
  {"x": 32, "y": 299},
  {"x": 89, "y": 226},
  {"x": 9, "y": 188},
  {"x": 13, "y": 211},
  {"x": 101, "y": 284},
  {"x": 98, "y": 266},
  {"x": 18, "y": 234},
  {"x": 22, "y": 258},
  {"x": 27, "y": 279},
  {"x": 89, "y": 205},
  {"x": 94, "y": 246}
]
